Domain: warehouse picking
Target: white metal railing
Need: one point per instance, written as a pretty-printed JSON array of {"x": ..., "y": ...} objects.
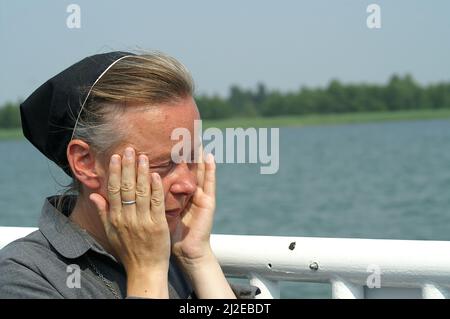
[{"x": 355, "y": 268}]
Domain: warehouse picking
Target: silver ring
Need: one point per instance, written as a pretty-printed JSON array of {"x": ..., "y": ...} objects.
[{"x": 128, "y": 202}]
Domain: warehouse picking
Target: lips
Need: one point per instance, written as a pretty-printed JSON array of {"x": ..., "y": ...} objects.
[{"x": 173, "y": 212}]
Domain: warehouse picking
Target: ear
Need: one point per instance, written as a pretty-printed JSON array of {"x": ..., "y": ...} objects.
[{"x": 83, "y": 163}]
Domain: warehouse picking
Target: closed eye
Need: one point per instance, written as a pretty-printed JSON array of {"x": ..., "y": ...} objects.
[
  {"x": 163, "y": 169},
  {"x": 166, "y": 167}
]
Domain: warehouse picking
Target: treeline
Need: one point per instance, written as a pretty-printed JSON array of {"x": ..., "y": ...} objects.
[
  {"x": 400, "y": 93},
  {"x": 9, "y": 115}
]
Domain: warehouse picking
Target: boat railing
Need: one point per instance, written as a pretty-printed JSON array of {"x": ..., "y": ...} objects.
[{"x": 354, "y": 268}]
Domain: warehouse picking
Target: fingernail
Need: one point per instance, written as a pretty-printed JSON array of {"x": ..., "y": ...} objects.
[
  {"x": 156, "y": 177},
  {"x": 129, "y": 152},
  {"x": 115, "y": 159},
  {"x": 142, "y": 160}
]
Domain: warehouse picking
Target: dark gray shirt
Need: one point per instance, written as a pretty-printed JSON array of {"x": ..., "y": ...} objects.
[{"x": 61, "y": 260}]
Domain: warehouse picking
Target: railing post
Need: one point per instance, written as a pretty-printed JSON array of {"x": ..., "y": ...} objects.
[
  {"x": 432, "y": 291},
  {"x": 341, "y": 289},
  {"x": 269, "y": 289}
]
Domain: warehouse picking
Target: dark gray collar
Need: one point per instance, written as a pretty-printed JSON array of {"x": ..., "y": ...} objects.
[{"x": 65, "y": 236}]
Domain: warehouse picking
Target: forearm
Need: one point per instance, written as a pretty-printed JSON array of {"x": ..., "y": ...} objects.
[
  {"x": 148, "y": 284},
  {"x": 207, "y": 277}
]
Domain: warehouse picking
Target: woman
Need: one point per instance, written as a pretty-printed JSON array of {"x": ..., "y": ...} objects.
[{"x": 134, "y": 223}]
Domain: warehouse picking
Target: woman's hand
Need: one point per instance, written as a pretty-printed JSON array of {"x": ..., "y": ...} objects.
[
  {"x": 138, "y": 233},
  {"x": 190, "y": 241}
]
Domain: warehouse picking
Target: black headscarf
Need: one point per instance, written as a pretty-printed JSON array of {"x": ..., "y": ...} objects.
[{"x": 49, "y": 115}]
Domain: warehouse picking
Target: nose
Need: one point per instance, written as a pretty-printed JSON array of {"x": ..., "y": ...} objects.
[{"x": 184, "y": 180}]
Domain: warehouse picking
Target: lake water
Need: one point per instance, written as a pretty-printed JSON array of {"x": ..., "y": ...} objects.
[{"x": 381, "y": 180}]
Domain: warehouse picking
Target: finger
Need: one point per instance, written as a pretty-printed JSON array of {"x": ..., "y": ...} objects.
[
  {"x": 209, "y": 183},
  {"x": 114, "y": 177},
  {"x": 128, "y": 182},
  {"x": 143, "y": 187},
  {"x": 158, "y": 212},
  {"x": 200, "y": 168},
  {"x": 102, "y": 207}
]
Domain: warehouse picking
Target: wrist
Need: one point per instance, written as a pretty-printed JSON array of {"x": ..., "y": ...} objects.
[
  {"x": 140, "y": 269},
  {"x": 192, "y": 253},
  {"x": 206, "y": 277},
  {"x": 197, "y": 264},
  {"x": 147, "y": 283}
]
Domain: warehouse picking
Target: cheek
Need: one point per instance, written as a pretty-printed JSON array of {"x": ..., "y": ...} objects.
[
  {"x": 194, "y": 169},
  {"x": 104, "y": 187},
  {"x": 102, "y": 174},
  {"x": 166, "y": 186}
]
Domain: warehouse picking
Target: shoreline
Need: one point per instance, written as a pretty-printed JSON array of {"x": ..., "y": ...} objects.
[{"x": 299, "y": 121}]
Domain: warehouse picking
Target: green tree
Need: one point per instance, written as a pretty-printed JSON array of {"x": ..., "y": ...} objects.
[{"x": 9, "y": 115}]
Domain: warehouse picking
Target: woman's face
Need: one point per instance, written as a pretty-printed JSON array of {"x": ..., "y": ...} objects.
[{"x": 149, "y": 132}]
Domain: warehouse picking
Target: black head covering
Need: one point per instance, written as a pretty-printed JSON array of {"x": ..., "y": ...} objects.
[{"x": 50, "y": 114}]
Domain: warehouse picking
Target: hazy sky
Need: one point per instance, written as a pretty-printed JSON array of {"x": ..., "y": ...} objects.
[{"x": 285, "y": 44}]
